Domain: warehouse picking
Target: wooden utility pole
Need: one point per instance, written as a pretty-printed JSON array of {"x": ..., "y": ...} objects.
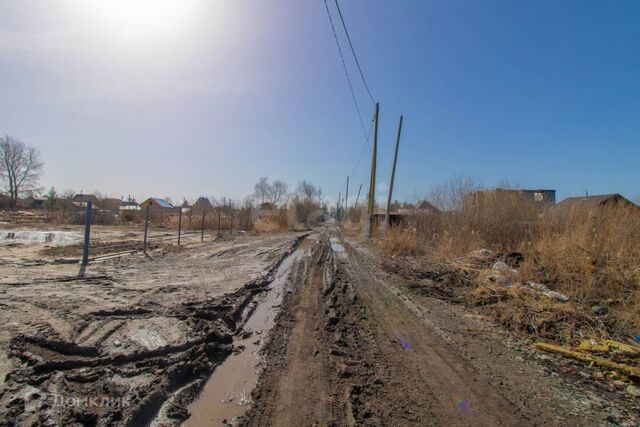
[
  {"x": 346, "y": 201},
  {"x": 372, "y": 180},
  {"x": 358, "y": 196},
  {"x": 393, "y": 173}
]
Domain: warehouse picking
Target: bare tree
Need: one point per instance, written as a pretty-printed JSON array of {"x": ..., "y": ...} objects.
[
  {"x": 277, "y": 191},
  {"x": 20, "y": 167},
  {"x": 307, "y": 190},
  {"x": 262, "y": 189},
  {"x": 450, "y": 195}
]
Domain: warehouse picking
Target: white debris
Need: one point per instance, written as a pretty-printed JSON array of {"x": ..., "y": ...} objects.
[
  {"x": 544, "y": 290},
  {"x": 556, "y": 295},
  {"x": 504, "y": 268}
]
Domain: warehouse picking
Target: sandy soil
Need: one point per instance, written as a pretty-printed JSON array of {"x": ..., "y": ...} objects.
[{"x": 107, "y": 348}]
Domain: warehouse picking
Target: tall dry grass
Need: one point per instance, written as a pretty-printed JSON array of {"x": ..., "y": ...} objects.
[{"x": 593, "y": 256}]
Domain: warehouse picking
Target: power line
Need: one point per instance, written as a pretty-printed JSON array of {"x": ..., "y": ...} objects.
[
  {"x": 364, "y": 146},
  {"x": 344, "y": 65},
  {"x": 353, "y": 51}
]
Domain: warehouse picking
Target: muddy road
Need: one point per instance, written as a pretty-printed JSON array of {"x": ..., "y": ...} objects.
[
  {"x": 290, "y": 329},
  {"x": 113, "y": 346}
]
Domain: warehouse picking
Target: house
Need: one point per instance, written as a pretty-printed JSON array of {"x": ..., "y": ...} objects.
[
  {"x": 5, "y": 201},
  {"x": 202, "y": 204},
  {"x": 156, "y": 203},
  {"x": 111, "y": 203},
  {"x": 31, "y": 203},
  {"x": 81, "y": 200},
  {"x": 425, "y": 207},
  {"x": 540, "y": 198},
  {"x": 571, "y": 205}
]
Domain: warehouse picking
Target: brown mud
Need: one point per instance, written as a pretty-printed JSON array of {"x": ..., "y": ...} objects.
[
  {"x": 111, "y": 347},
  {"x": 354, "y": 346}
]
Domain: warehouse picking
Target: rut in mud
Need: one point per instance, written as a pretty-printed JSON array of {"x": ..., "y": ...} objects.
[
  {"x": 111, "y": 349},
  {"x": 350, "y": 349}
]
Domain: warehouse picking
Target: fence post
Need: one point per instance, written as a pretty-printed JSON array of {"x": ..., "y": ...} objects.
[
  {"x": 179, "y": 224},
  {"x": 87, "y": 234},
  {"x": 202, "y": 228},
  {"x": 146, "y": 226},
  {"x": 219, "y": 214}
]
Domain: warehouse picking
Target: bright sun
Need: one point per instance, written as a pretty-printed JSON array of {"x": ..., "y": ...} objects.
[{"x": 141, "y": 18}]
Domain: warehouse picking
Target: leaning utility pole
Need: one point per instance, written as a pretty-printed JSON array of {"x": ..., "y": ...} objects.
[
  {"x": 393, "y": 174},
  {"x": 368, "y": 229},
  {"x": 346, "y": 201},
  {"x": 358, "y": 197}
]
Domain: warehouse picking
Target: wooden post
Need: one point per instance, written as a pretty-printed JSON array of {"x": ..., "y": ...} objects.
[
  {"x": 179, "y": 224},
  {"x": 202, "y": 228},
  {"x": 358, "y": 196},
  {"x": 393, "y": 173},
  {"x": 338, "y": 206},
  {"x": 87, "y": 234},
  {"x": 231, "y": 219},
  {"x": 146, "y": 227},
  {"x": 372, "y": 179}
]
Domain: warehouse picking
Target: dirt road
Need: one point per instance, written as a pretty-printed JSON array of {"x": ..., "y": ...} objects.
[{"x": 353, "y": 347}]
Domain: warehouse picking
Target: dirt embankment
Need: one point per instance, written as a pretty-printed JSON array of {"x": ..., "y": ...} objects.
[
  {"x": 111, "y": 347},
  {"x": 353, "y": 346}
]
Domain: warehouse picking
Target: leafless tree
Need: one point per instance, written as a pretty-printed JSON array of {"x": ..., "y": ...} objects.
[
  {"x": 450, "y": 195},
  {"x": 20, "y": 167},
  {"x": 277, "y": 191},
  {"x": 307, "y": 190},
  {"x": 262, "y": 189}
]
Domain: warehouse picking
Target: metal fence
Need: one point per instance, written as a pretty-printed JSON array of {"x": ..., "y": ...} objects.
[{"x": 151, "y": 227}]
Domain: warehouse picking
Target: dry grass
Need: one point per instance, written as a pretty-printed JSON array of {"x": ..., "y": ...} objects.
[{"x": 591, "y": 256}]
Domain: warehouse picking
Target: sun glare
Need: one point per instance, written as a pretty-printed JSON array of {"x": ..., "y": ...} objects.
[{"x": 141, "y": 18}]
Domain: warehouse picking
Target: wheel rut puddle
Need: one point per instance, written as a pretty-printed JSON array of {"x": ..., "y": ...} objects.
[{"x": 227, "y": 394}]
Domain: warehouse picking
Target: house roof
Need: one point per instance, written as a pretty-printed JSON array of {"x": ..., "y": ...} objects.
[
  {"x": 588, "y": 202},
  {"x": 156, "y": 200},
  {"x": 202, "y": 203},
  {"x": 427, "y": 206},
  {"x": 85, "y": 198}
]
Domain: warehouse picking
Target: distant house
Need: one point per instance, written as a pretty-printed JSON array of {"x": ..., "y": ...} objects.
[
  {"x": 81, "y": 200},
  {"x": 5, "y": 201},
  {"x": 425, "y": 207},
  {"x": 540, "y": 198},
  {"x": 572, "y": 205},
  {"x": 202, "y": 204},
  {"x": 157, "y": 203},
  {"x": 110, "y": 203},
  {"x": 31, "y": 203}
]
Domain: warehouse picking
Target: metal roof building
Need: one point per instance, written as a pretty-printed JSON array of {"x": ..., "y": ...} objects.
[{"x": 156, "y": 202}]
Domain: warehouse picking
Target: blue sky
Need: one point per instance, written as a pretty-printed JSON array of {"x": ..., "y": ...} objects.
[{"x": 215, "y": 94}]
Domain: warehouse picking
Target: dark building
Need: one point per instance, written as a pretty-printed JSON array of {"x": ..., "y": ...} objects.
[{"x": 540, "y": 198}]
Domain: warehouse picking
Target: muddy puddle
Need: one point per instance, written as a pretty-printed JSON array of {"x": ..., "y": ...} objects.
[
  {"x": 33, "y": 236},
  {"x": 227, "y": 394}
]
